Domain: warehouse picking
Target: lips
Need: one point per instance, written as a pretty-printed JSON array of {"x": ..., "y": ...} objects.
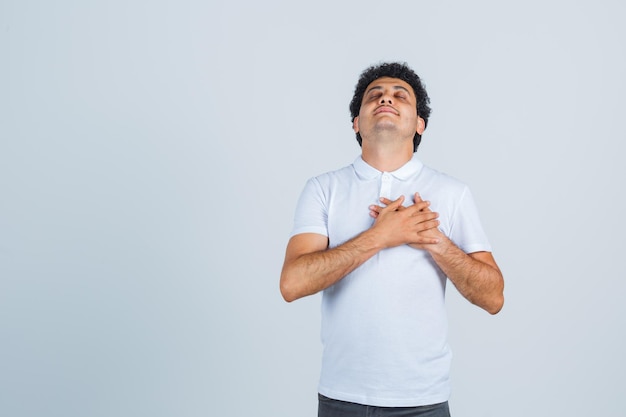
[{"x": 385, "y": 109}]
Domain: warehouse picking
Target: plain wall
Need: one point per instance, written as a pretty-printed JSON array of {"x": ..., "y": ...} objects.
[{"x": 151, "y": 156}]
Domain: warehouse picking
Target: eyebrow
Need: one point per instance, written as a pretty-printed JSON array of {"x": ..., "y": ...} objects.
[{"x": 395, "y": 87}]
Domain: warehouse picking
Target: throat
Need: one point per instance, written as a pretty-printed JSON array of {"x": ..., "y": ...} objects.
[{"x": 386, "y": 159}]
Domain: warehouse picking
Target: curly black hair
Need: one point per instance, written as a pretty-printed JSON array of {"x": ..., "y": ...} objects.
[{"x": 394, "y": 70}]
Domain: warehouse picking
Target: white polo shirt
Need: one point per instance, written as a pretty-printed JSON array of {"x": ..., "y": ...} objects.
[{"x": 384, "y": 326}]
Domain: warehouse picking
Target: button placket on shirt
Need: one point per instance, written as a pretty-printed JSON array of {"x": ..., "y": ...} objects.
[{"x": 385, "y": 185}]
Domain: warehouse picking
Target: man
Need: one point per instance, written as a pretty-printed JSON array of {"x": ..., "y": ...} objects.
[{"x": 380, "y": 238}]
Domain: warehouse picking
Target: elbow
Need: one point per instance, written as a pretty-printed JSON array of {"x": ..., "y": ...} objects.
[
  {"x": 286, "y": 289},
  {"x": 497, "y": 301},
  {"x": 292, "y": 287},
  {"x": 496, "y": 305},
  {"x": 288, "y": 296}
]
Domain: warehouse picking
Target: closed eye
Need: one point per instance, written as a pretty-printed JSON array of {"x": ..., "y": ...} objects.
[{"x": 374, "y": 95}]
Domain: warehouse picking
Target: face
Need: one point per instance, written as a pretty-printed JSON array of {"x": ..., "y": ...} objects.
[{"x": 388, "y": 107}]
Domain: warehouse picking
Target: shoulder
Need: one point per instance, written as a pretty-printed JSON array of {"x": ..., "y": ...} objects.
[
  {"x": 322, "y": 186},
  {"x": 444, "y": 182},
  {"x": 327, "y": 178}
]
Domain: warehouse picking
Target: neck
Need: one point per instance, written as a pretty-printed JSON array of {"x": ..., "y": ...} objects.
[{"x": 387, "y": 158}]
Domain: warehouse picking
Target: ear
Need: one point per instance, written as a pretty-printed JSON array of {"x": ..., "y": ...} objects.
[
  {"x": 355, "y": 125},
  {"x": 421, "y": 125}
]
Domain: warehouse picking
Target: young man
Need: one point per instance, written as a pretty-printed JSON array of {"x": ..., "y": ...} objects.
[{"x": 380, "y": 238}]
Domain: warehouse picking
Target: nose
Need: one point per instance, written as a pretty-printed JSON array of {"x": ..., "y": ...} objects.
[{"x": 385, "y": 99}]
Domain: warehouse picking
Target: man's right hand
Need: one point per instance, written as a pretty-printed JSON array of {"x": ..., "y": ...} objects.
[{"x": 397, "y": 225}]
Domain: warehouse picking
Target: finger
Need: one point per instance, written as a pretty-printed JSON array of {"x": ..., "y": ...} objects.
[
  {"x": 427, "y": 225},
  {"x": 417, "y": 198},
  {"x": 422, "y": 240},
  {"x": 374, "y": 210},
  {"x": 387, "y": 201},
  {"x": 394, "y": 205},
  {"x": 425, "y": 216},
  {"x": 423, "y": 205},
  {"x": 419, "y": 207}
]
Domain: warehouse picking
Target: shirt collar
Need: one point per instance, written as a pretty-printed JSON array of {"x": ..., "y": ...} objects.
[{"x": 406, "y": 171}]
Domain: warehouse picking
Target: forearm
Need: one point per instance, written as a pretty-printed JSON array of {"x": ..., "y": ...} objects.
[
  {"x": 479, "y": 282},
  {"x": 309, "y": 273},
  {"x": 311, "y": 267}
]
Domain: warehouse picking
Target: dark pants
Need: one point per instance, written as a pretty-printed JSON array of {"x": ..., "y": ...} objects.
[{"x": 335, "y": 408}]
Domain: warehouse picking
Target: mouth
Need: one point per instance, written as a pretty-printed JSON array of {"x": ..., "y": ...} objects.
[{"x": 385, "y": 109}]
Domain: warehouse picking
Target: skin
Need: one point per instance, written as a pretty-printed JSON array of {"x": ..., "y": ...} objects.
[{"x": 387, "y": 122}]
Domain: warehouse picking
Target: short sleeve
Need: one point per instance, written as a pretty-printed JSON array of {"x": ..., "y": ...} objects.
[
  {"x": 466, "y": 230},
  {"x": 311, "y": 211}
]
